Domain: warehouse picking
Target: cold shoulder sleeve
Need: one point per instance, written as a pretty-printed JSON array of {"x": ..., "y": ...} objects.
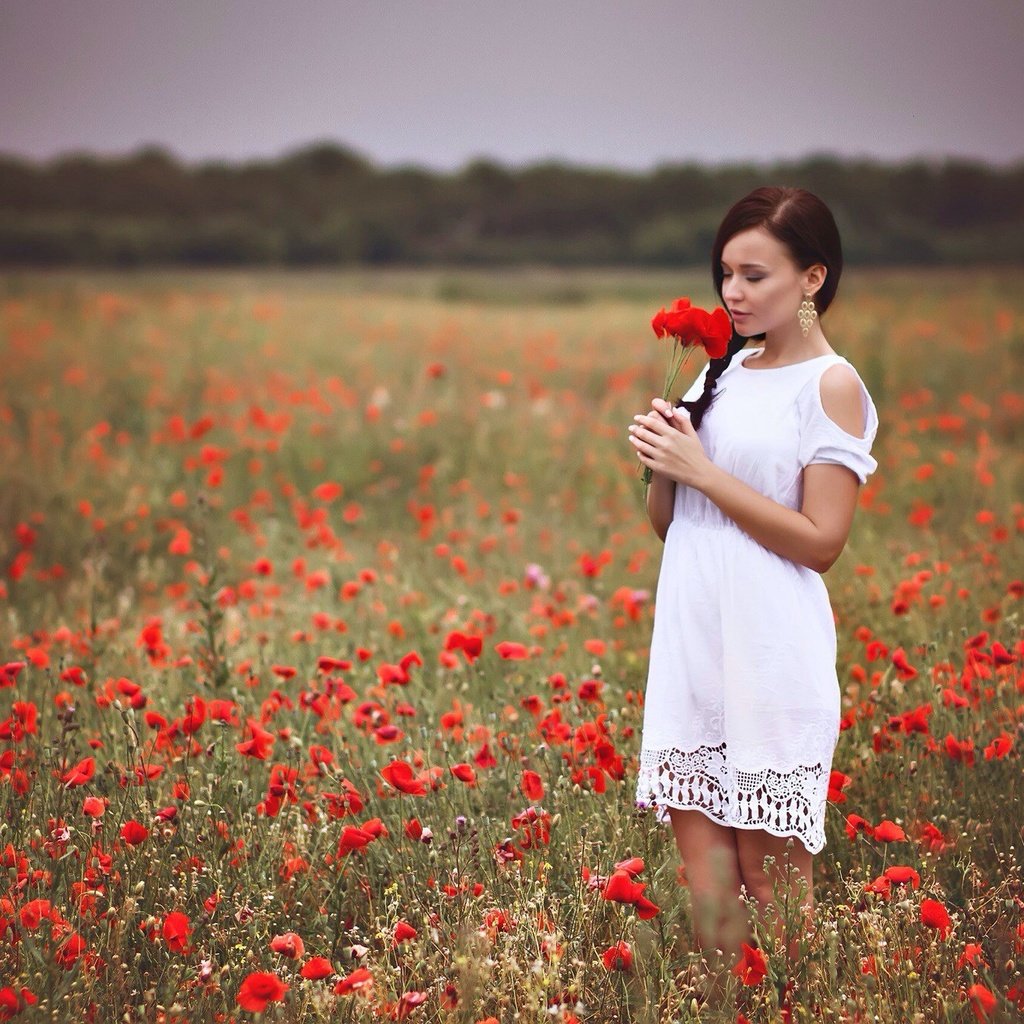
[{"x": 822, "y": 440}]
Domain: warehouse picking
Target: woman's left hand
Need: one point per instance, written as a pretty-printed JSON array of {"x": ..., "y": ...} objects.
[{"x": 671, "y": 449}]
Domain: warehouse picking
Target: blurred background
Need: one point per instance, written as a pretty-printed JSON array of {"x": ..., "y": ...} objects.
[{"x": 137, "y": 133}]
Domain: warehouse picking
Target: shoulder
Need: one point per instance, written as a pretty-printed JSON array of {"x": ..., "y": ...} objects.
[{"x": 841, "y": 393}]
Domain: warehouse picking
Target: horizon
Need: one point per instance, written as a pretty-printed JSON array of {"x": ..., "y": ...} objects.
[{"x": 932, "y": 161}]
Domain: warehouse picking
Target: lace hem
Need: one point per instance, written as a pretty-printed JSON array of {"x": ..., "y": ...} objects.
[{"x": 784, "y": 803}]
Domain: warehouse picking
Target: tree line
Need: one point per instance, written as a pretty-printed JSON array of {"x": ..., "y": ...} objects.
[{"x": 325, "y": 204}]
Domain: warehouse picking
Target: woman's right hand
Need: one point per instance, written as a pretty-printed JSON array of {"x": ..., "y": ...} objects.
[{"x": 670, "y": 412}]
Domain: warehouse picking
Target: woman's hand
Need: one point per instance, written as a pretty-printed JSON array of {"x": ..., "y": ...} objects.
[{"x": 666, "y": 441}]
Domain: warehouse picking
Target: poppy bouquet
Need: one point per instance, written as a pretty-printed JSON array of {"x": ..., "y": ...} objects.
[{"x": 689, "y": 327}]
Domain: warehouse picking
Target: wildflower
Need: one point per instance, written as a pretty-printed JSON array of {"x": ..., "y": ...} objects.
[
  {"x": 751, "y": 968},
  {"x": 176, "y": 931},
  {"x": 935, "y": 915},
  {"x": 359, "y": 980},
  {"x": 511, "y": 650},
  {"x": 837, "y": 782},
  {"x": 901, "y": 874},
  {"x": 93, "y": 806},
  {"x": 260, "y": 989},
  {"x": 400, "y": 775},
  {"x": 464, "y": 773},
  {"x": 889, "y": 832},
  {"x": 999, "y": 747},
  {"x": 618, "y": 957},
  {"x": 959, "y": 750},
  {"x": 972, "y": 955},
  {"x": 317, "y": 967},
  {"x": 259, "y": 744},
  {"x": 532, "y": 786},
  {"x": 134, "y": 833},
  {"x": 855, "y": 823},
  {"x": 80, "y": 774},
  {"x": 288, "y": 945},
  {"x": 983, "y": 1002}
]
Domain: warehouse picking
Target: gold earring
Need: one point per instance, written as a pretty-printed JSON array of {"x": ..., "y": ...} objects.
[{"x": 807, "y": 314}]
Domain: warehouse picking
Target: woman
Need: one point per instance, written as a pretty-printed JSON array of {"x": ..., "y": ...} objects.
[{"x": 755, "y": 482}]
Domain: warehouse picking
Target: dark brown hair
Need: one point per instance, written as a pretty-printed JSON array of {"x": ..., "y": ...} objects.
[{"x": 805, "y": 226}]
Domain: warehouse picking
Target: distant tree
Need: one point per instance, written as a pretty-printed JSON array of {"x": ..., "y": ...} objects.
[{"x": 325, "y": 203}]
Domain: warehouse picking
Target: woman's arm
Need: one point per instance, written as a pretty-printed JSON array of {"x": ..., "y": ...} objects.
[
  {"x": 813, "y": 536},
  {"x": 661, "y": 499},
  {"x": 661, "y": 495}
]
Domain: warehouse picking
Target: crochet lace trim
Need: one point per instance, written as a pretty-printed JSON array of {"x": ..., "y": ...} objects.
[{"x": 785, "y": 803}]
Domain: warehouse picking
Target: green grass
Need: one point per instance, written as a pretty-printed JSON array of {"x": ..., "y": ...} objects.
[{"x": 164, "y": 433}]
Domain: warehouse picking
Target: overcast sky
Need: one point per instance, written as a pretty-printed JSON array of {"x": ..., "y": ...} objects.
[{"x": 439, "y": 82}]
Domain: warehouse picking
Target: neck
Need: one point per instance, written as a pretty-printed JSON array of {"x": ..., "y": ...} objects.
[{"x": 788, "y": 344}]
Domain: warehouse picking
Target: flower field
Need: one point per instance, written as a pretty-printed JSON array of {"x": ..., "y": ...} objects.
[{"x": 324, "y": 611}]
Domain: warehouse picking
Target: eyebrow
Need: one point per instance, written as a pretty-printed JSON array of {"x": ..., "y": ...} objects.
[{"x": 748, "y": 266}]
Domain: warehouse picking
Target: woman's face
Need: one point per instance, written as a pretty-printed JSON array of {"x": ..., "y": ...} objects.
[{"x": 761, "y": 285}]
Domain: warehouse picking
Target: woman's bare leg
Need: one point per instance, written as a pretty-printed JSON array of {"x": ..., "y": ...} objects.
[
  {"x": 709, "y": 854},
  {"x": 753, "y": 845}
]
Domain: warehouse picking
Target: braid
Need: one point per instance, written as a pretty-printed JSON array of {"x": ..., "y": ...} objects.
[{"x": 716, "y": 367}]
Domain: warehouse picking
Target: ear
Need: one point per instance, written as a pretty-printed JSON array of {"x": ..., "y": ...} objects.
[{"x": 813, "y": 278}]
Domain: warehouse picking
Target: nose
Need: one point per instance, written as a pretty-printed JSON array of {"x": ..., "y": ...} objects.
[{"x": 731, "y": 288}]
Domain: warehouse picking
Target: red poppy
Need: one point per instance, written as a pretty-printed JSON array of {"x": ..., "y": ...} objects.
[
  {"x": 34, "y": 912},
  {"x": 751, "y": 968},
  {"x": 260, "y": 743},
  {"x": 260, "y": 989},
  {"x": 464, "y": 773},
  {"x": 134, "y": 833},
  {"x": 999, "y": 747},
  {"x": 691, "y": 326},
  {"x": 618, "y": 957},
  {"x": 80, "y": 774},
  {"x": 12, "y": 1001},
  {"x": 903, "y": 667},
  {"x": 935, "y": 915},
  {"x": 837, "y": 782},
  {"x": 70, "y": 951},
  {"x": 400, "y": 775},
  {"x": 93, "y": 806},
  {"x": 855, "y": 823},
  {"x": 901, "y": 874},
  {"x": 632, "y": 866},
  {"x": 176, "y": 931},
  {"x": 407, "y": 1002},
  {"x": 288, "y": 945},
  {"x": 532, "y": 786},
  {"x": 621, "y": 888},
  {"x": 983, "y": 1002},
  {"x": 353, "y": 838},
  {"x": 403, "y": 932},
  {"x": 511, "y": 651},
  {"x": 959, "y": 750},
  {"x": 317, "y": 967},
  {"x": 471, "y": 646},
  {"x": 357, "y": 981},
  {"x": 645, "y": 909},
  {"x": 9, "y": 672},
  {"x": 973, "y": 955},
  {"x": 889, "y": 832},
  {"x": 328, "y": 491}
]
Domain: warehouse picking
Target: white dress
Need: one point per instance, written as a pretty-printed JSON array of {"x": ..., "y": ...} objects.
[{"x": 742, "y": 710}]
